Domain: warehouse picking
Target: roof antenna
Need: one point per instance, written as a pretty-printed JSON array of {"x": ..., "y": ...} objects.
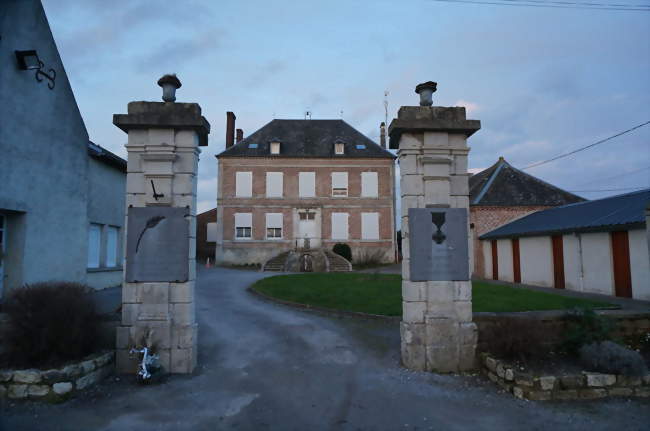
[
  {"x": 341, "y": 113},
  {"x": 386, "y": 105},
  {"x": 308, "y": 115}
]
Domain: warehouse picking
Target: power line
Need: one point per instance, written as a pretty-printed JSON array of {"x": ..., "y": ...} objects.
[
  {"x": 586, "y": 147},
  {"x": 608, "y": 190},
  {"x": 635, "y": 8},
  {"x": 588, "y": 4}
]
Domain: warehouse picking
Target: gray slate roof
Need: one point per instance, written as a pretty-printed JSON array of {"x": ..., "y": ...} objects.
[
  {"x": 307, "y": 138},
  {"x": 504, "y": 185},
  {"x": 614, "y": 213}
]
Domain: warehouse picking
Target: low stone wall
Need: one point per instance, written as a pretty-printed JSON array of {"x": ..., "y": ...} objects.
[
  {"x": 59, "y": 383},
  {"x": 629, "y": 324},
  {"x": 586, "y": 385}
]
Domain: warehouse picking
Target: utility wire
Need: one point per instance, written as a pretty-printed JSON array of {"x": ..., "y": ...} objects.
[
  {"x": 588, "y": 4},
  {"x": 608, "y": 190},
  {"x": 545, "y": 5},
  {"x": 586, "y": 147}
]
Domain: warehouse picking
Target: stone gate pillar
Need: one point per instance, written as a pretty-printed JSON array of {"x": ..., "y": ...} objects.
[
  {"x": 160, "y": 239},
  {"x": 437, "y": 331}
]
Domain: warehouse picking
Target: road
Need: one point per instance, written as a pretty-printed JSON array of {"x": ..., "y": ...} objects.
[{"x": 264, "y": 366}]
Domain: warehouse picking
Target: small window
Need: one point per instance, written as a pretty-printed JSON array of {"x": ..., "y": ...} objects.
[
  {"x": 361, "y": 147},
  {"x": 303, "y": 216},
  {"x": 275, "y": 148},
  {"x": 339, "y": 148},
  {"x": 243, "y": 232},
  {"x": 94, "y": 245},
  {"x": 273, "y": 225},
  {"x": 252, "y": 145},
  {"x": 311, "y": 216},
  {"x": 111, "y": 246},
  {"x": 274, "y": 232}
]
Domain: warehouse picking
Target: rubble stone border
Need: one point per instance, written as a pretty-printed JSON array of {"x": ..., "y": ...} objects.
[
  {"x": 586, "y": 385},
  {"x": 56, "y": 384}
]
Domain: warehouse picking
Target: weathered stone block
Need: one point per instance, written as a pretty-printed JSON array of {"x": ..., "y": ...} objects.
[
  {"x": 153, "y": 293},
  {"x": 406, "y": 262},
  {"x": 17, "y": 391},
  {"x": 443, "y": 359},
  {"x": 432, "y": 167},
  {"x": 52, "y": 376},
  {"x": 157, "y": 333},
  {"x": 411, "y": 141},
  {"x": 129, "y": 293},
  {"x": 413, "y": 312},
  {"x": 524, "y": 379},
  {"x": 463, "y": 311},
  {"x": 642, "y": 392},
  {"x": 493, "y": 377},
  {"x": 414, "y": 356},
  {"x": 468, "y": 333},
  {"x": 414, "y": 291},
  {"x": 6, "y": 375},
  {"x": 3, "y": 392},
  {"x": 600, "y": 380},
  {"x": 462, "y": 291},
  {"x": 72, "y": 370},
  {"x": 413, "y": 333},
  {"x": 509, "y": 375},
  {"x": 184, "y": 184},
  {"x": 184, "y": 337},
  {"x": 62, "y": 388},
  {"x": 590, "y": 394},
  {"x": 572, "y": 382},
  {"x": 459, "y": 185},
  {"x": 410, "y": 202},
  {"x": 539, "y": 395},
  {"x": 435, "y": 140},
  {"x": 518, "y": 392},
  {"x": 135, "y": 183},
  {"x": 186, "y": 161},
  {"x": 459, "y": 202},
  {"x": 183, "y": 313},
  {"x": 130, "y": 314},
  {"x": 408, "y": 164},
  {"x": 459, "y": 166},
  {"x": 621, "y": 392},
  {"x": 491, "y": 364},
  {"x": 186, "y": 138},
  {"x": 628, "y": 381},
  {"x": 547, "y": 383},
  {"x": 441, "y": 332},
  {"x": 38, "y": 391},
  {"x": 411, "y": 185},
  {"x": 467, "y": 358},
  {"x": 124, "y": 362},
  {"x": 501, "y": 371},
  {"x": 153, "y": 312},
  {"x": 440, "y": 291},
  {"x": 181, "y": 292},
  {"x": 27, "y": 376},
  {"x": 436, "y": 192},
  {"x": 567, "y": 394}
]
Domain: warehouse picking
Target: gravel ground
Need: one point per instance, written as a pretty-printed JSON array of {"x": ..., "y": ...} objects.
[{"x": 267, "y": 366}]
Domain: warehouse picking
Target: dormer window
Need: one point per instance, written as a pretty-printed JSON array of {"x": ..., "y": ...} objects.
[
  {"x": 339, "y": 148},
  {"x": 275, "y": 148}
]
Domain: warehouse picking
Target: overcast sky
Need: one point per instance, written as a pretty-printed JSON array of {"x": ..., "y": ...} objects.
[{"x": 542, "y": 81}]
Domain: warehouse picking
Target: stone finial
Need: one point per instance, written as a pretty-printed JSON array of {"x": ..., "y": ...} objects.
[
  {"x": 169, "y": 84},
  {"x": 426, "y": 90}
]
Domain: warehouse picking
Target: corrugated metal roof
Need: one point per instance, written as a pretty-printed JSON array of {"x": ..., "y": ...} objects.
[
  {"x": 616, "y": 212},
  {"x": 102, "y": 154},
  {"x": 307, "y": 138}
]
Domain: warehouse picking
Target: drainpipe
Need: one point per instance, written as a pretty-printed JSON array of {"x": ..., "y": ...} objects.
[{"x": 582, "y": 267}]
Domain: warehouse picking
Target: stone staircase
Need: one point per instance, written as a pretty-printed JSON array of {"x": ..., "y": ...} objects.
[
  {"x": 276, "y": 263},
  {"x": 337, "y": 263}
]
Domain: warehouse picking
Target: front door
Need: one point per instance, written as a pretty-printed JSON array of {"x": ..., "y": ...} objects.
[
  {"x": 558, "y": 262},
  {"x": 308, "y": 230},
  {"x": 621, "y": 258}
]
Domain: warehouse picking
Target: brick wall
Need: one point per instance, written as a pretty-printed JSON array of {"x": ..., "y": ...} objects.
[
  {"x": 487, "y": 218},
  {"x": 258, "y": 248},
  {"x": 204, "y": 249}
]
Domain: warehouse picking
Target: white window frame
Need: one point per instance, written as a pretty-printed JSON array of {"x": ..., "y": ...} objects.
[
  {"x": 272, "y": 192},
  {"x": 94, "y": 248},
  {"x": 370, "y": 226},
  {"x": 112, "y": 246},
  {"x": 274, "y": 221},
  {"x": 339, "y": 148},
  {"x": 339, "y": 219},
  {"x": 369, "y": 184},
  {"x": 275, "y": 148},
  {"x": 339, "y": 184},
  {"x": 244, "y": 184},
  {"x": 244, "y": 221},
  {"x": 307, "y": 180}
]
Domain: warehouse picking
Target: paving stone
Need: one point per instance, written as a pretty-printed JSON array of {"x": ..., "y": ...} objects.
[{"x": 27, "y": 376}]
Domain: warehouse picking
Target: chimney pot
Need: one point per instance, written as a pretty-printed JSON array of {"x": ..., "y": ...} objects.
[
  {"x": 426, "y": 90},
  {"x": 382, "y": 135},
  {"x": 230, "y": 129},
  {"x": 169, "y": 84},
  {"x": 239, "y": 135}
]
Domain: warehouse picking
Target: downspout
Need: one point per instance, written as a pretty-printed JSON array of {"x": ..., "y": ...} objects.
[{"x": 582, "y": 267}]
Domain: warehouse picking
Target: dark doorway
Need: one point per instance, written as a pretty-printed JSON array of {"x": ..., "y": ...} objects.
[
  {"x": 516, "y": 268},
  {"x": 558, "y": 262},
  {"x": 306, "y": 263},
  {"x": 621, "y": 258},
  {"x": 495, "y": 260}
]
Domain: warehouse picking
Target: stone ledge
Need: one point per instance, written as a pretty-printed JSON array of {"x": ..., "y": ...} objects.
[
  {"x": 587, "y": 385},
  {"x": 56, "y": 384}
]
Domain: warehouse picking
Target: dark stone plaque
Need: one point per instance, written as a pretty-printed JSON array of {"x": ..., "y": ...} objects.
[
  {"x": 157, "y": 244},
  {"x": 438, "y": 244}
]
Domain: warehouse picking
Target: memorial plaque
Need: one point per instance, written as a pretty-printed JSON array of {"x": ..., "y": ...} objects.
[
  {"x": 438, "y": 244},
  {"x": 157, "y": 244}
]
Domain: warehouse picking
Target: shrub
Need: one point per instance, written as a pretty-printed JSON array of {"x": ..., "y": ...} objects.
[
  {"x": 370, "y": 259},
  {"x": 515, "y": 338},
  {"x": 609, "y": 357},
  {"x": 344, "y": 250},
  {"x": 50, "y": 323},
  {"x": 586, "y": 327}
]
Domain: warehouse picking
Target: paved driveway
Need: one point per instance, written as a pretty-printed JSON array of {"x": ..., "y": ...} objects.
[{"x": 265, "y": 366}]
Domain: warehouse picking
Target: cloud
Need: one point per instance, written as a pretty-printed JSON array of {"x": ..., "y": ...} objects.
[{"x": 470, "y": 107}]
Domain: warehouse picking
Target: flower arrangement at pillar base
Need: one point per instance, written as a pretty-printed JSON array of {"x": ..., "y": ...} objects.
[{"x": 149, "y": 369}]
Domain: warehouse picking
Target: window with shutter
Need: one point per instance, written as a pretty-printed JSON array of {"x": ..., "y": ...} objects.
[
  {"x": 369, "y": 225},
  {"x": 273, "y": 225},
  {"x": 274, "y": 184},
  {"x": 339, "y": 184},
  {"x": 339, "y": 225},
  {"x": 369, "y": 187},
  {"x": 244, "y": 184},
  {"x": 307, "y": 184},
  {"x": 243, "y": 225}
]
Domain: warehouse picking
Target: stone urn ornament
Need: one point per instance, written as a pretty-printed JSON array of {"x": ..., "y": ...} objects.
[
  {"x": 426, "y": 90},
  {"x": 169, "y": 84}
]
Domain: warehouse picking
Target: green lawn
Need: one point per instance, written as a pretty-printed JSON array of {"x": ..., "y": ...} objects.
[{"x": 381, "y": 294}]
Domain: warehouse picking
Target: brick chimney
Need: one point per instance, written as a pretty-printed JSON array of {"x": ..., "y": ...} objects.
[
  {"x": 382, "y": 135},
  {"x": 240, "y": 135},
  {"x": 230, "y": 129}
]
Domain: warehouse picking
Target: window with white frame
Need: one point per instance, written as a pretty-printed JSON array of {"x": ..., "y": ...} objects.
[
  {"x": 339, "y": 148},
  {"x": 369, "y": 225},
  {"x": 274, "y": 184},
  {"x": 112, "y": 246},
  {"x": 339, "y": 184},
  {"x": 244, "y": 184},
  {"x": 94, "y": 245},
  {"x": 275, "y": 148},
  {"x": 243, "y": 225},
  {"x": 307, "y": 184},
  {"x": 340, "y": 226},
  {"x": 369, "y": 187},
  {"x": 273, "y": 225}
]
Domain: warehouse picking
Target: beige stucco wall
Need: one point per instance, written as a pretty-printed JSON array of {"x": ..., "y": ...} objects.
[
  {"x": 639, "y": 264},
  {"x": 487, "y": 259},
  {"x": 536, "y": 259},
  {"x": 504, "y": 254},
  {"x": 597, "y": 263}
]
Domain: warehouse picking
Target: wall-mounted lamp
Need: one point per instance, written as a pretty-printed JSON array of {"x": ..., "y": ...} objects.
[{"x": 28, "y": 60}]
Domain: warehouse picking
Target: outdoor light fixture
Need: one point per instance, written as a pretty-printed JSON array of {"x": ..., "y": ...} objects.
[{"x": 28, "y": 60}]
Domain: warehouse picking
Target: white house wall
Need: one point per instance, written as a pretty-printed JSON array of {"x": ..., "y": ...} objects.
[
  {"x": 572, "y": 262},
  {"x": 639, "y": 264},
  {"x": 597, "y": 263},
  {"x": 487, "y": 258},
  {"x": 536, "y": 261},
  {"x": 504, "y": 255}
]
